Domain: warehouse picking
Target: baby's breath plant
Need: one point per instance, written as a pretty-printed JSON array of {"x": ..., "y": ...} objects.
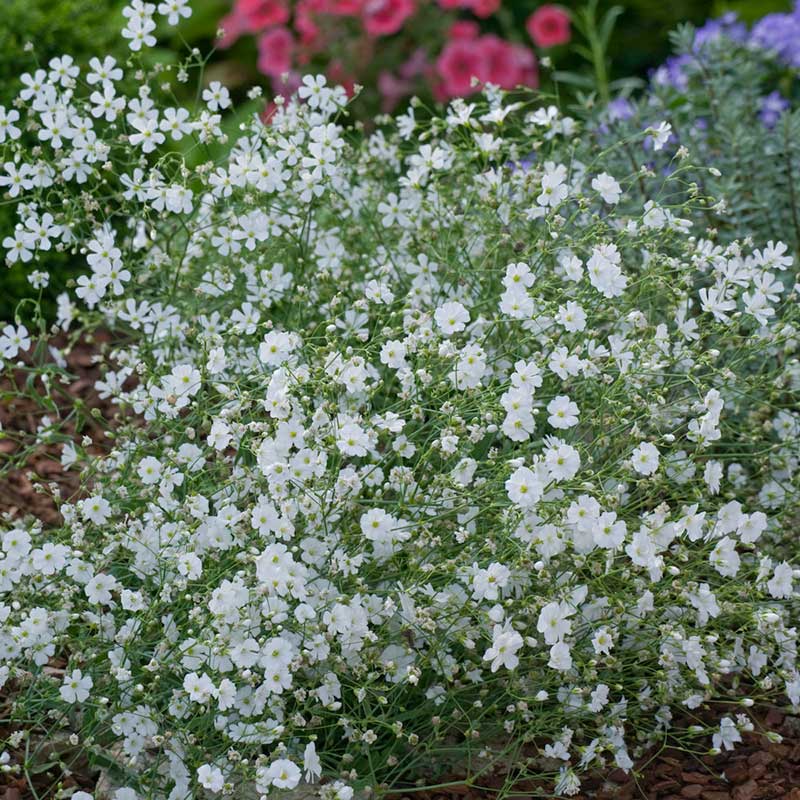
[
  {"x": 434, "y": 457},
  {"x": 33, "y": 32}
]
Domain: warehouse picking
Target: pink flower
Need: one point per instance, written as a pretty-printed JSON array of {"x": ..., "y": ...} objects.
[
  {"x": 304, "y": 23},
  {"x": 385, "y": 17},
  {"x": 337, "y": 74},
  {"x": 342, "y": 8},
  {"x": 464, "y": 29},
  {"x": 529, "y": 68},
  {"x": 234, "y": 26},
  {"x": 457, "y": 64},
  {"x": 392, "y": 90},
  {"x": 415, "y": 65},
  {"x": 502, "y": 64},
  {"x": 548, "y": 26},
  {"x": 287, "y": 83},
  {"x": 275, "y": 48},
  {"x": 484, "y": 8},
  {"x": 260, "y": 14}
]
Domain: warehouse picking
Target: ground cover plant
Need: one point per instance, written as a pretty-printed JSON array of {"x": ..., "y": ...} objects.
[{"x": 441, "y": 446}]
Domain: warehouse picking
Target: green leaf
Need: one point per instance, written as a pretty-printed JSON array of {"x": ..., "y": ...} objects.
[
  {"x": 574, "y": 79},
  {"x": 608, "y": 24}
]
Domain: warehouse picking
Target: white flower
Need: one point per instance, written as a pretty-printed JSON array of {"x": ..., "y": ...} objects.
[
  {"x": 96, "y": 509},
  {"x": 712, "y": 475},
  {"x": 283, "y": 774},
  {"x": 602, "y": 642},
  {"x": 554, "y": 621},
  {"x": 99, "y": 589},
  {"x": 524, "y": 488},
  {"x": 105, "y": 72},
  {"x": 660, "y": 134},
  {"x": 728, "y": 735},
  {"x": 780, "y": 585},
  {"x": 173, "y": 10},
  {"x": 216, "y": 96},
  {"x": 7, "y": 127},
  {"x": 645, "y": 458},
  {"x": 572, "y": 317},
  {"x": 506, "y": 642},
  {"x": 609, "y": 532},
  {"x": 139, "y": 29},
  {"x": 149, "y": 470},
  {"x": 313, "y": 90},
  {"x": 605, "y": 185},
  {"x": 563, "y": 412},
  {"x": 210, "y": 778},
  {"x": 560, "y": 657},
  {"x": 487, "y": 583},
  {"x": 220, "y": 435},
  {"x": 724, "y": 557},
  {"x": 200, "y": 688},
  {"x": 451, "y": 318},
  {"x": 312, "y": 765},
  {"x": 352, "y": 440},
  {"x": 76, "y": 686},
  {"x": 599, "y": 698},
  {"x": 554, "y": 189},
  {"x": 705, "y": 602},
  {"x": 563, "y": 461},
  {"x": 14, "y": 340}
]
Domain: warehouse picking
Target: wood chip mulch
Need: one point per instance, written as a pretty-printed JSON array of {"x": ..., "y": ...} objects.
[
  {"x": 756, "y": 769},
  {"x": 21, "y": 416}
]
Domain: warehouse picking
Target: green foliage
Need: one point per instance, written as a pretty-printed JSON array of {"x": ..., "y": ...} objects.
[
  {"x": 750, "y": 10},
  {"x": 81, "y": 28},
  {"x": 641, "y": 38}
]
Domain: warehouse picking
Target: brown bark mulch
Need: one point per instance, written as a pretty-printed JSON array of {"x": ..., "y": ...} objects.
[
  {"x": 21, "y": 415},
  {"x": 756, "y": 769}
]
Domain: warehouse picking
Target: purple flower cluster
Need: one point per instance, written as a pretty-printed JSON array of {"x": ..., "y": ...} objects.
[
  {"x": 772, "y": 106},
  {"x": 728, "y": 25},
  {"x": 777, "y": 33},
  {"x": 780, "y": 33}
]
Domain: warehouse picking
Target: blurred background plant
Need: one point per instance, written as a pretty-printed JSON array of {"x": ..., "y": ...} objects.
[
  {"x": 729, "y": 105},
  {"x": 392, "y": 48},
  {"x": 431, "y": 48}
]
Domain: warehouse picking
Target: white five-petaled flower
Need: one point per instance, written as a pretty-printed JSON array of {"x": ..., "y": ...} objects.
[
  {"x": 76, "y": 686},
  {"x": 660, "y": 134},
  {"x": 645, "y": 458},
  {"x": 506, "y": 642}
]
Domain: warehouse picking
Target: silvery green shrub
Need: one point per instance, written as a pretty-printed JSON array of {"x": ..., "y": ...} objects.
[
  {"x": 732, "y": 104},
  {"x": 433, "y": 457}
]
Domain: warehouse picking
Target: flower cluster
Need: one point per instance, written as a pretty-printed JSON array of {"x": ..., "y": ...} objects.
[
  {"x": 429, "y": 449},
  {"x": 345, "y": 34},
  {"x": 778, "y": 34}
]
